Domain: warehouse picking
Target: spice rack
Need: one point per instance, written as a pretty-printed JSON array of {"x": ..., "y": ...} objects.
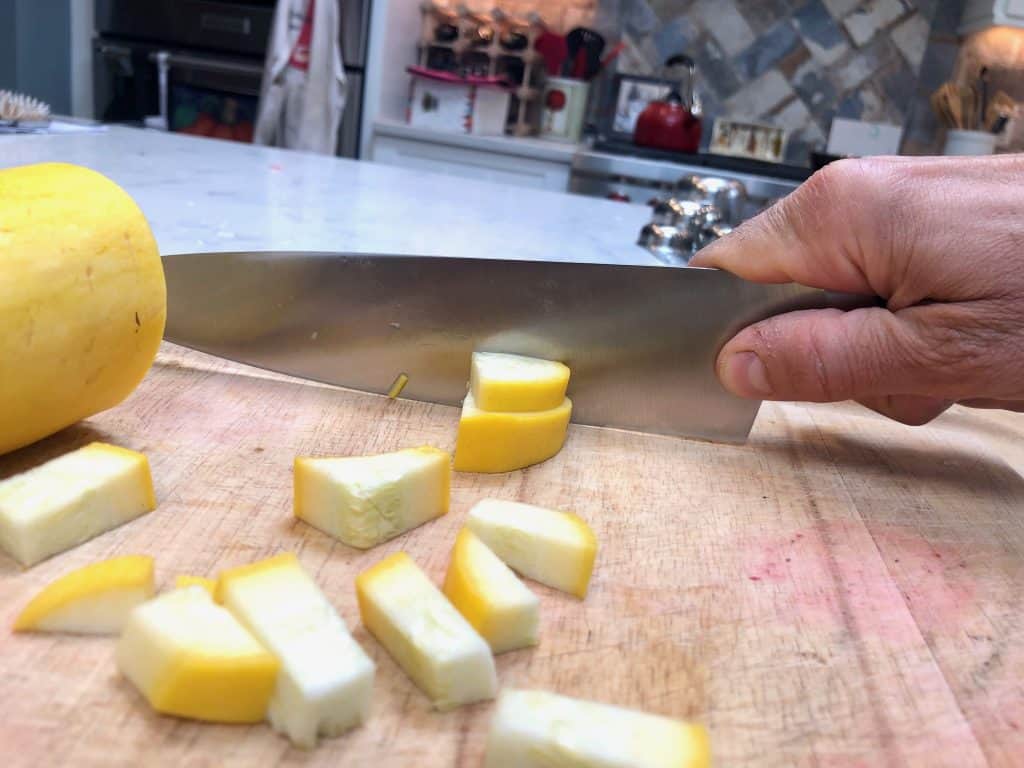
[{"x": 488, "y": 45}]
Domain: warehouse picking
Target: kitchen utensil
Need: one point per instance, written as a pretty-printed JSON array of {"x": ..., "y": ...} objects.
[
  {"x": 969, "y": 106},
  {"x": 585, "y": 47},
  {"x": 668, "y": 123},
  {"x": 641, "y": 341},
  {"x": 612, "y": 55},
  {"x": 953, "y": 104},
  {"x": 554, "y": 50},
  {"x": 999, "y": 111},
  {"x": 983, "y": 96}
]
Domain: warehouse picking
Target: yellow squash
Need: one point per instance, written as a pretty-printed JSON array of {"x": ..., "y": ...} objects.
[
  {"x": 187, "y": 580},
  {"x": 366, "y": 500},
  {"x": 191, "y": 658},
  {"x": 553, "y": 547},
  {"x": 425, "y": 634},
  {"x": 82, "y": 298},
  {"x": 491, "y": 598},
  {"x": 71, "y": 499},
  {"x": 503, "y": 383},
  {"x": 94, "y": 600},
  {"x": 496, "y": 441},
  {"x": 537, "y": 729}
]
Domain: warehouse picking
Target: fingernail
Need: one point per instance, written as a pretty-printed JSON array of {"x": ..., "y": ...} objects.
[{"x": 744, "y": 374}]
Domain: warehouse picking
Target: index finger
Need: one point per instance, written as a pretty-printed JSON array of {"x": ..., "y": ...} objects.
[{"x": 817, "y": 236}]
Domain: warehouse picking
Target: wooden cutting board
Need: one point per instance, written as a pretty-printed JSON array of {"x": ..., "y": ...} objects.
[{"x": 840, "y": 592}]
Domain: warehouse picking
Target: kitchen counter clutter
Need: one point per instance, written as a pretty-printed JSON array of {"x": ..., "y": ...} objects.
[
  {"x": 207, "y": 195},
  {"x": 840, "y": 590}
]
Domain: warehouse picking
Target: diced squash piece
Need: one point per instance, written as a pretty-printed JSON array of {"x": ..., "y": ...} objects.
[
  {"x": 552, "y": 547},
  {"x": 185, "y": 580},
  {"x": 94, "y": 600},
  {"x": 536, "y": 729},
  {"x": 192, "y": 658},
  {"x": 424, "y": 633},
  {"x": 506, "y": 383},
  {"x": 71, "y": 499},
  {"x": 492, "y": 441},
  {"x": 326, "y": 678},
  {"x": 490, "y": 596},
  {"x": 366, "y": 500}
]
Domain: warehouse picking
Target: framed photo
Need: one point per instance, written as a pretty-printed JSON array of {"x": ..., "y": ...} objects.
[
  {"x": 630, "y": 95},
  {"x": 740, "y": 138}
]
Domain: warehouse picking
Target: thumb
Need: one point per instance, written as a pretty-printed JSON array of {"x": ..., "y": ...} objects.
[{"x": 825, "y": 356}]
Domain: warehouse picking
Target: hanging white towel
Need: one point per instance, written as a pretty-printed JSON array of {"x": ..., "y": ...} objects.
[{"x": 303, "y": 93}]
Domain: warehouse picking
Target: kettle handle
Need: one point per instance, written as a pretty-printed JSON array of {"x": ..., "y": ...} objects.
[{"x": 680, "y": 58}]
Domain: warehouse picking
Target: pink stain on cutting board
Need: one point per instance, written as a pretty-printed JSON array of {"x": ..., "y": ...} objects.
[
  {"x": 936, "y": 578},
  {"x": 833, "y": 575}
]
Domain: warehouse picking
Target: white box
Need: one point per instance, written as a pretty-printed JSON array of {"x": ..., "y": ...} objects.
[
  {"x": 856, "y": 138},
  {"x": 441, "y": 101}
]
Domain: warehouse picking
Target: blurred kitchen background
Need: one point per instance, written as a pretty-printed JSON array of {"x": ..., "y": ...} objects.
[{"x": 668, "y": 103}]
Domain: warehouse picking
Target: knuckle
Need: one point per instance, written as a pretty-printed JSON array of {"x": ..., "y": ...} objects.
[{"x": 842, "y": 202}]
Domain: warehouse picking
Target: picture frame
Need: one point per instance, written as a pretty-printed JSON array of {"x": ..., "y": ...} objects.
[
  {"x": 628, "y": 96},
  {"x": 752, "y": 140}
]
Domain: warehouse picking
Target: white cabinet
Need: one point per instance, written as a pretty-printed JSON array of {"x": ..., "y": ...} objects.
[{"x": 529, "y": 163}]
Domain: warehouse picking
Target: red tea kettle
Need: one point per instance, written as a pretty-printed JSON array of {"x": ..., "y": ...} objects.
[{"x": 670, "y": 123}]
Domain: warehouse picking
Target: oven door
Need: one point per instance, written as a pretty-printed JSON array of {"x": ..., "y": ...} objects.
[{"x": 179, "y": 90}]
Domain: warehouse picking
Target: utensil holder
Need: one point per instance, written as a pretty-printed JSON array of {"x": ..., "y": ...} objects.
[
  {"x": 970, "y": 143},
  {"x": 565, "y": 107}
]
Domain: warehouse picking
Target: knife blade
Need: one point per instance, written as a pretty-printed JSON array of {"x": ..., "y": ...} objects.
[{"x": 641, "y": 341}]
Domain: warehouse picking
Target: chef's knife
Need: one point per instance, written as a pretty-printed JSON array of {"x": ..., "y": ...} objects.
[{"x": 641, "y": 341}]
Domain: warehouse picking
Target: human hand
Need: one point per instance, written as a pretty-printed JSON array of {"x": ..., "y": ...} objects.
[{"x": 940, "y": 239}]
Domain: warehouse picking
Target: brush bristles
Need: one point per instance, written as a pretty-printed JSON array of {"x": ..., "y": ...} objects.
[{"x": 18, "y": 106}]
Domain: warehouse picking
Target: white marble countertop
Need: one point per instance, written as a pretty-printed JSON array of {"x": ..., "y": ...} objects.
[{"x": 210, "y": 195}]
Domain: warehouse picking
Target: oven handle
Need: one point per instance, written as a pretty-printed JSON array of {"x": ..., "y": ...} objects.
[{"x": 186, "y": 61}]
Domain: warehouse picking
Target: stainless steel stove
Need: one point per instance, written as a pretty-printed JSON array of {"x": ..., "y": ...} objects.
[{"x": 620, "y": 171}]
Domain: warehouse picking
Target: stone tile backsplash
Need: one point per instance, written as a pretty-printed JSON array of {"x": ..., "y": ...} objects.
[{"x": 799, "y": 63}]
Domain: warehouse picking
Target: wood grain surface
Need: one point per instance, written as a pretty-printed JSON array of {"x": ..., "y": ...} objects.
[{"x": 841, "y": 591}]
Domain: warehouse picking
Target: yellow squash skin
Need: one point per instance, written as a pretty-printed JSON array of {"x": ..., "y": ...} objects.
[
  {"x": 190, "y": 657},
  {"x": 490, "y": 597},
  {"x": 82, "y": 298},
  {"x": 187, "y": 580},
  {"x": 129, "y": 578},
  {"x": 493, "y": 441}
]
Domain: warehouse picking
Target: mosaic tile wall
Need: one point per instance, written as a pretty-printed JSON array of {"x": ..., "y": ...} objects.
[{"x": 799, "y": 63}]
